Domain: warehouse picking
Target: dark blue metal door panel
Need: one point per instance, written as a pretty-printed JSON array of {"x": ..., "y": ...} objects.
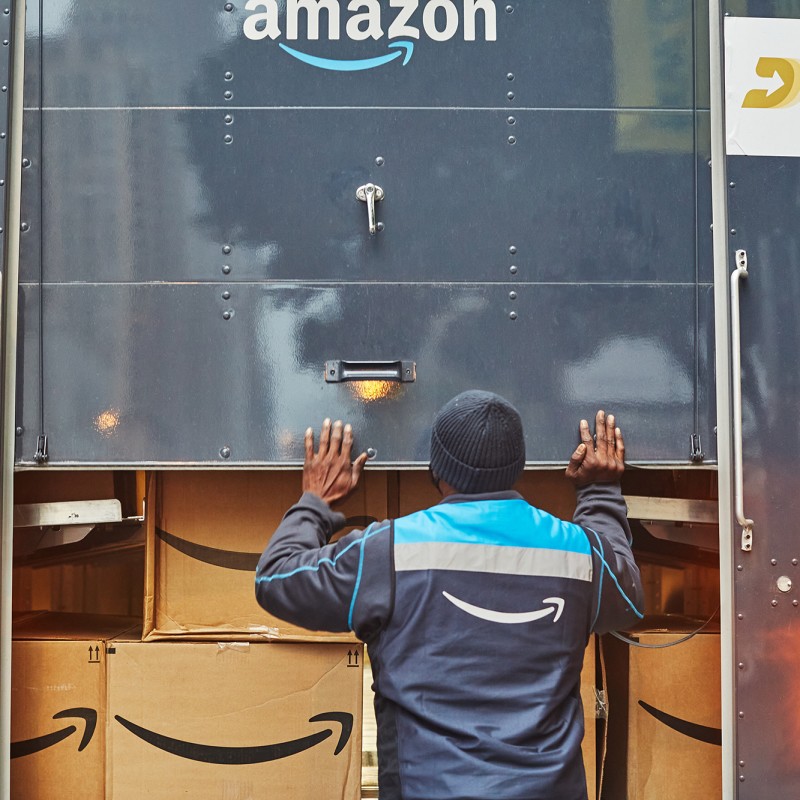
[
  {"x": 155, "y": 195},
  {"x": 156, "y": 373},
  {"x": 564, "y": 163},
  {"x": 560, "y": 54},
  {"x": 764, "y": 208},
  {"x": 764, "y": 212}
]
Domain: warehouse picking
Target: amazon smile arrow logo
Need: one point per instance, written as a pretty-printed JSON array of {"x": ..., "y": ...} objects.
[
  {"x": 702, "y": 733},
  {"x": 233, "y": 559},
  {"x": 214, "y": 754},
  {"x": 28, "y": 747},
  {"x": 402, "y": 22},
  {"x": 507, "y": 618},
  {"x": 352, "y": 65}
]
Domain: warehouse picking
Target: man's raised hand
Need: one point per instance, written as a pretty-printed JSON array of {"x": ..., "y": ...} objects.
[
  {"x": 329, "y": 473},
  {"x": 600, "y": 461}
]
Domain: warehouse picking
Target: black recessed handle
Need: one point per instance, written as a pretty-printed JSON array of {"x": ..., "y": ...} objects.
[{"x": 400, "y": 371}]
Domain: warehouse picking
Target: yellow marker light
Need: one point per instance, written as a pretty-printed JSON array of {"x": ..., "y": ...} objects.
[
  {"x": 372, "y": 391},
  {"x": 106, "y": 422}
]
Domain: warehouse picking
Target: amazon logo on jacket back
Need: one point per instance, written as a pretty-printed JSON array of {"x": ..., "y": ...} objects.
[{"x": 397, "y": 25}]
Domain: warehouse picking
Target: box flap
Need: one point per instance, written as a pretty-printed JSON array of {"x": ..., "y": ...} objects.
[{"x": 54, "y": 625}]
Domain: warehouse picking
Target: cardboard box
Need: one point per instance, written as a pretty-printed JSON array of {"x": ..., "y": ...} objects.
[
  {"x": 589, "y": 698},
  {"x": 235, "y": 721},
  {"x": 664, "y": 717},
  {"x": 206, "y": 532},
  {"x": 58, "y": 697}
]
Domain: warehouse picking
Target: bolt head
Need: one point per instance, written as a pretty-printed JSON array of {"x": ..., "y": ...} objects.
[
  {"x": 226, "y": 295},
  {"x": 225, "y": 451},
  {"x": 229, "y": 6},
  {"x": 226, "y": 269},
  {"x": 371, "y": 452},
  {"x": 226, "y": 249},
  {"x": 512, "y": 315},
  {"x": 379, "y": 161},
  {"x": 510, "y": 76},
  {"x": 511, "y": 95},
  {"x": 19, "y": 431}
]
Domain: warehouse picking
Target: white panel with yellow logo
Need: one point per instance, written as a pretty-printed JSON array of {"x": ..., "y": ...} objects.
[{"x": 762, "y": 86}]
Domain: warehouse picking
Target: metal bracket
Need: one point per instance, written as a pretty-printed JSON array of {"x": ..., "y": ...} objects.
[
  {"x": 41, "y": 456},
  {"x": 696, "y": 454},
  {"x": 69, "y": 522}
]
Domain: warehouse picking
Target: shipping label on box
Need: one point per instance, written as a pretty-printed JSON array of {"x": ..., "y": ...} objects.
[
  {"x": 664, "y": 718},
  {"x": 206, "y": 532},
  {"x": 234, "y": 720}
]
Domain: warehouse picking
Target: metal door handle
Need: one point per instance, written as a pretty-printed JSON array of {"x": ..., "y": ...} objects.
[
  {"x": 736, "y": 347},
  {"x": 401, "y": 371},
  {"x": 370, "y": 194}
]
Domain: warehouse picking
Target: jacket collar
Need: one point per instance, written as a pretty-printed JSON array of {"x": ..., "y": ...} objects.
[{"x": 508, "y": 494}]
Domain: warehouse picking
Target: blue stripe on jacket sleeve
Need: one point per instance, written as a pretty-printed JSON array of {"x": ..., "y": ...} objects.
[
  {"x": 613, "y": 578},
  {"x": 367, "y": 534},
  {"x": 600, "y": 582},
  {"x": 362, "y": 541}
]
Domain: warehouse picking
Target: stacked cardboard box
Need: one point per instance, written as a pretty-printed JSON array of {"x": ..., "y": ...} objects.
[
  {"x": 231, "y": 704},
  {"x": 99, "y": 714},
  {"x": 664, "y": 732},
  {"x": 204, "y": 540}
]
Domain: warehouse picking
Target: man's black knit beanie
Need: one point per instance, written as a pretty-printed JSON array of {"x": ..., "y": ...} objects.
[{"x": 477, "y": 444}]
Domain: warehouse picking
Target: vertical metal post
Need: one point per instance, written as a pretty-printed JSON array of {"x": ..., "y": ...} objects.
[
  {"x": 719, "y": 201},
  {"x": 8, "y": 354}
]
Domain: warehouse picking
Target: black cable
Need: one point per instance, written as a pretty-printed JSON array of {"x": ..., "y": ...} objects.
[{"x": 634, "y": 643}]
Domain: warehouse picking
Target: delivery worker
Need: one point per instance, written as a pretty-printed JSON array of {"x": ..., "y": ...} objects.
[{"x": 476, "y": 612}]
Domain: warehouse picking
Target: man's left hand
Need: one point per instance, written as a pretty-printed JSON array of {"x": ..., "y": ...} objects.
[{"x": 329, "y": 473}]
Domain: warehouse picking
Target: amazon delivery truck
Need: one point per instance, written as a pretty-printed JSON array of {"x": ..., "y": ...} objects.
[{"x": 225, "y": 221}]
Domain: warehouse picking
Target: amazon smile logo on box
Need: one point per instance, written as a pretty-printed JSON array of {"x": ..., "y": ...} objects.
[
  {"x": 403, "y": 23},
  {"x": 256, "y": 754}
]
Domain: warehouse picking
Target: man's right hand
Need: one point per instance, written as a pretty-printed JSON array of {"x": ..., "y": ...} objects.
[
  {"x": 600, "y": 462},
  {"x": 329, "y": 473}
]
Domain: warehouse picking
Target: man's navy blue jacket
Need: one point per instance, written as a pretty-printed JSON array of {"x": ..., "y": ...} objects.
[{"x": 476, "y": 613}]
